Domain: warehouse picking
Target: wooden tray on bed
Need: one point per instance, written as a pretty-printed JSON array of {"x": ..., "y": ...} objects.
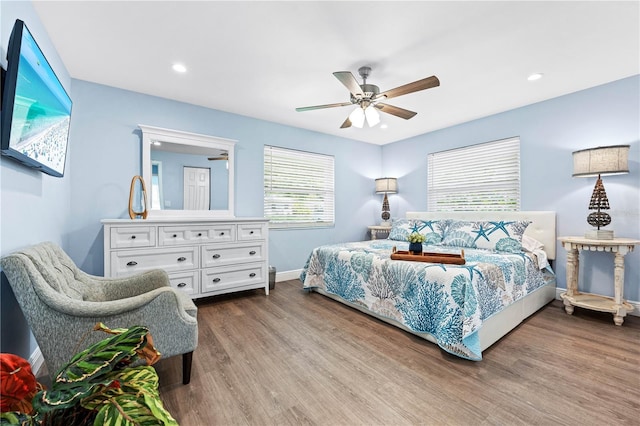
[{"x": 452, "y": 258}]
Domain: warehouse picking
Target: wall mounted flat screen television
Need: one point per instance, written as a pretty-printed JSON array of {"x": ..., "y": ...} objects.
[{"x": 36, "y": 110}]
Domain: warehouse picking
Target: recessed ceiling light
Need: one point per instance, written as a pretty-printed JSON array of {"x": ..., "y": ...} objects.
[
  {"x": 535, "y": 76},
  {"x": 179, "y": 68},
  {"x": 383, "y": 126}
]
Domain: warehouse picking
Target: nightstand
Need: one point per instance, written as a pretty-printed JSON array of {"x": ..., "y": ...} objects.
[
  {"x": 572, "y": 297},
  {"x": 379, "y": 230}
]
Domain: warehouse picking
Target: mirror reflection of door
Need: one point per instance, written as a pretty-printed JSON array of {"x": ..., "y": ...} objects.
[
  {"x": 157, "y": 202},
  {"x": 197, "y": 183}
]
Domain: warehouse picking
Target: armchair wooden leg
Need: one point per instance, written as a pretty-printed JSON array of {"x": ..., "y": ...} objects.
[{"x": 186, "y": 367}]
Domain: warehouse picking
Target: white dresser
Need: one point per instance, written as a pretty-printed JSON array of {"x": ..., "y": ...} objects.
[{"x": 203, "y": 257}]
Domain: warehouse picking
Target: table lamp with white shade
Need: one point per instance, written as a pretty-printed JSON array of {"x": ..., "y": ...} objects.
[
  {"x": 386, "y": 186},
  {"x": 600, "y": 161}
]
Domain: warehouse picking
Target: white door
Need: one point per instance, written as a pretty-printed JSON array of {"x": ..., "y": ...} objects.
[{"x": 196, "y": 188}]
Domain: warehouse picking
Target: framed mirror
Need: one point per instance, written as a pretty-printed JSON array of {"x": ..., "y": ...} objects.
[{"x": 187, "y": 174}]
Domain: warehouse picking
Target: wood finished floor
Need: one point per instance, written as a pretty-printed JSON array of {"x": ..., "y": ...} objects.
[{"x": 298, "y": 358}]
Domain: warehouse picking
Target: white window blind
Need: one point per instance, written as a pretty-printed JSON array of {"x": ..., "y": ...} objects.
[
  {"x": 475, "y": 178},
  {"x": 298, "y": 188}
]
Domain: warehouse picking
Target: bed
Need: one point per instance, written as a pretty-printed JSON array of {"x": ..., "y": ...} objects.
[{"x": 462, "y": 308}]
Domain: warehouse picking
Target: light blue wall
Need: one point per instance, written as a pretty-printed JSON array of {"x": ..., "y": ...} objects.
[
  {"x": 107, "y": 151},
  {"x": 34, "y": 207},
  {"x": 549, "y": 132}
]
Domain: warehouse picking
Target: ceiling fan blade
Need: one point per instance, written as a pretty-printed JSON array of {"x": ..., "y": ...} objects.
[
  {"x": 218, "y": 158},
  {"x": 397, "y": 111},
  {"x": 347, "y": 123},
  {"x": 350, "y": 83},
  {"x": 309, "y": 108},
  {"x": 416, "y": 86}
]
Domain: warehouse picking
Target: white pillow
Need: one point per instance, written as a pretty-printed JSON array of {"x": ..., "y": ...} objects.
[{"x": 536, "y": 247}]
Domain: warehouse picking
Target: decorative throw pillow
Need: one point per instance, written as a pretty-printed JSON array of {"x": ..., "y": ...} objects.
[
  {"x": 401, "y": 228},
  {"x": 497, "y": 235}
]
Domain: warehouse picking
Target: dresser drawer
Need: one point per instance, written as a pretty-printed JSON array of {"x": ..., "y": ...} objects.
[
  {"x": 176, "y": 235},
  {"x": 252, "y": 231},
  {"x": 223, "y": 233},
  {"x": 133, "y": 236},
  {"x": 226, "y": 254},
  {"x": 126, "y": 262},
  {"x": 226, "y": 277},
  {"x": 188, "y": 282}
]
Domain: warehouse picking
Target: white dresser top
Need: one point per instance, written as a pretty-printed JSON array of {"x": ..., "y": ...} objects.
[{"x": 183, "y": 220}]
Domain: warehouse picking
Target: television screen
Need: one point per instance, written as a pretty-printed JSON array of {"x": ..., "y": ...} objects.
[{"x": 36, "y": 110}]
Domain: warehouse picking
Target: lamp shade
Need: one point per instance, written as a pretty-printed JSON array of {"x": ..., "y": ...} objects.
[
  {"x": 372, "y": 115},
  {"x": 603, "y": 160},
  {"x": 386, "y": 185},
  {"x": 357, "y": 117}
]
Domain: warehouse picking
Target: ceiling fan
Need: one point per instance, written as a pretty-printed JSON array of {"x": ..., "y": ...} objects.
[
  {"x": 368, "y": 98},
  {"x": 223, "y": 156}
]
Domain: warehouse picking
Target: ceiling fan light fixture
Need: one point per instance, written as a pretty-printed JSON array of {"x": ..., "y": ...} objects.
[
  {"x": 357, "y": 118},
  {"x": 367, "y": 97},
  {"x": 372, "y": 115}
]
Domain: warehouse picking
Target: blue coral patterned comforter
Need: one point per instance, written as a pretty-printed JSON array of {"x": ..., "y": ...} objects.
[{"x": 450, "y": 302}]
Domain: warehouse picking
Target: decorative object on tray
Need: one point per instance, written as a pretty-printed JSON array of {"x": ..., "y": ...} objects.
[
  {"x": 138, "y": 199},
  {"x": 604, "y": 160},
  {"x": 386, "y": 186},
  {"x": 415, "y": 242},
  {"x": 450, "y": 258}
]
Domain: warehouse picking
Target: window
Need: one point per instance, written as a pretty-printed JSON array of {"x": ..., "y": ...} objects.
[
  {"x": 298, "y": 188},
  {"x": 478, "y": 177}
]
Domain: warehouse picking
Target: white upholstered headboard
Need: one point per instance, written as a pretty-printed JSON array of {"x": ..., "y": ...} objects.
[{"x": 542, "y": 227}]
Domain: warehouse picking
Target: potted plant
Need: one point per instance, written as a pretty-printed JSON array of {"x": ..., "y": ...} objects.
[
  {"x": 415, "y": 242},
  {"x": 98, "y": 386}
]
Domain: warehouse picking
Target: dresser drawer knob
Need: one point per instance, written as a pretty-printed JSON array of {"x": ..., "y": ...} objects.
[
  {"x": 252, "y": 252},
  {"x": 132, "y": 263},
  {"x": 182, "y": 259},
  {"x": 216, "y": 280},
  {"x": 253, "y": 274},
  {"x": 199, "y": 234},
  {"x": 216, "y": 256},
  {"x": 251, "y": 233},
  {"x": 175, "y": 235},
  {"x": 222, "y": 233},
  {"x": 133, "y": 237},
  {"x": 182, "y": 285}
]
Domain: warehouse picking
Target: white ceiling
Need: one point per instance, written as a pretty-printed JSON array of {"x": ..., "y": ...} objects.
[{"x": 263, "y": 59}]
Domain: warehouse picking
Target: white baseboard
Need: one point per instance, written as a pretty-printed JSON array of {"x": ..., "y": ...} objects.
[
  {"x": 37, "y": 362},
  {"x": 636, "y": 305},
  {"x": 288, "y": 275}
]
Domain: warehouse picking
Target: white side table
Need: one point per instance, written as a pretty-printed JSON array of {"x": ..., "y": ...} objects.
[
  {"x": 378, "y": 229},
  {"x": 572, "y": 297}
]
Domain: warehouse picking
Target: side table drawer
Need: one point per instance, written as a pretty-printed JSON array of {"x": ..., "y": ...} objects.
[
  {"x": 225, "y": 277},
  {"x": 224, "y": 254},
  {"x": 188, "y": 282},
  {"x": 133, "y": 236},
  {"x": 127, "y": 262}
]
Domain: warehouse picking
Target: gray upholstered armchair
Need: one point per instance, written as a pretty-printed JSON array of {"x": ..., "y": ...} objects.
[{"x": 62, "y": 304}]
